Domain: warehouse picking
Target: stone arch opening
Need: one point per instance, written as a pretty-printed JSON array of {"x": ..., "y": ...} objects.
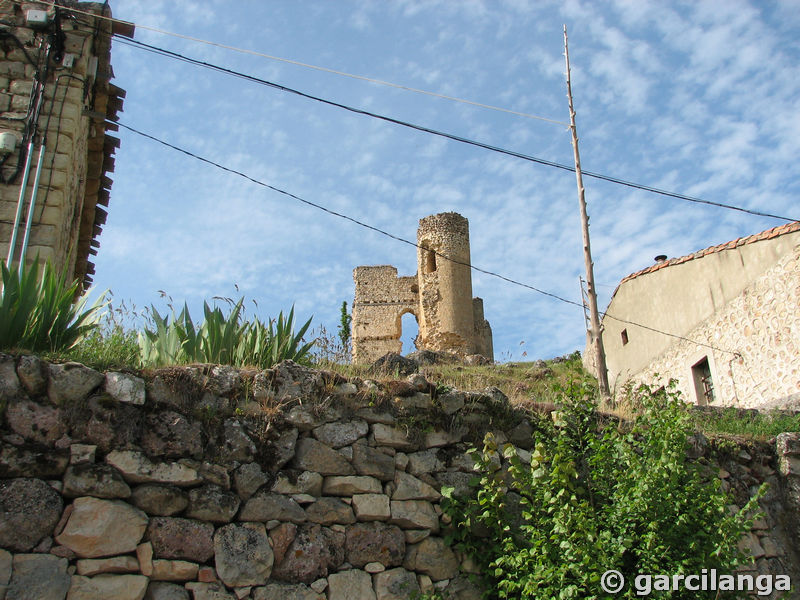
[{"x": 409, "y": 331}]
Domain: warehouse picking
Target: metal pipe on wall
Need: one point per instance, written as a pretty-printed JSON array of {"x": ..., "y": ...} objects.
[
  {"x": 29, "y": 219},
  {"x": 20, "y": 203}
]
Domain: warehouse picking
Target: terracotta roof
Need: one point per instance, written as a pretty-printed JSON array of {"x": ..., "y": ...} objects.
[{"x": 756, "y": 237}]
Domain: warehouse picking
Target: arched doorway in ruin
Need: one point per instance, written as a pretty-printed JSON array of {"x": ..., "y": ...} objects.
[{"x": 408, "y": 326}]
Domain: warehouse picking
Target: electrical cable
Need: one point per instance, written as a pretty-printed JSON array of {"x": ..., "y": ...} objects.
[
  {"x": 398, "y": 238},
  {"x": 457, "y": 138},
  {"x": 318, "y": 68}
]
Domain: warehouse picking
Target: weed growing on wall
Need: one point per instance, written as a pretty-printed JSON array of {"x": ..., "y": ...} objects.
[{"x": 596, "y": 497}]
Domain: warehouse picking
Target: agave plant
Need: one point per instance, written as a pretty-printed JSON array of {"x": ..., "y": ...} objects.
[
  {"x": 39, "y": 313},
  {"x": 223, "y": 339},
  {"x": 265, "y": 345}
]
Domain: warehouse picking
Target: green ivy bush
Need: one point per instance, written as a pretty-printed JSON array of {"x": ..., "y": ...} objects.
[{"x": 597, "y": 496}]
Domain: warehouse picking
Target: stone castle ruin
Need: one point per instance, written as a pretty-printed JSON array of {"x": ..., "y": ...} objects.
[{"x": 439, "y": 296}]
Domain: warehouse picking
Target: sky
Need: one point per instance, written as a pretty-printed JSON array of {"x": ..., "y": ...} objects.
[{"x": 698, "y": 98}]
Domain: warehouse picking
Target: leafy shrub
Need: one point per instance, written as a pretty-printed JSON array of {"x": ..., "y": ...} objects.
[
  {"x": 222, "y": 339},
  {"x": 595, "y": 498},
  {"x": 39, "y": 313}
]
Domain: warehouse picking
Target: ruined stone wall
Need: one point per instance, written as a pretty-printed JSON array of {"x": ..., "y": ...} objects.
[
  {"x": 219, "y": 484},
  {"x": 439, "y": 296},
  {"x": 381, "y": 300},
  {"x": 74, "y": 186},
  {"x": 762, "y": 325}
]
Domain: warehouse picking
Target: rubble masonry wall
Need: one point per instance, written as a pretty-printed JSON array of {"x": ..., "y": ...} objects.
[{"x": 213, "y": 483}]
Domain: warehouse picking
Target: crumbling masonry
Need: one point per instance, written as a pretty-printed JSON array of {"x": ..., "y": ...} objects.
[{"x": 439, "y": 296}]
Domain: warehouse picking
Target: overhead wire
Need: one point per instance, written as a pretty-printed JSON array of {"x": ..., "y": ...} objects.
[
  {"x": 450, "y": 136},
  {"x": 413, "y": 126},
  {"x": 396, "y": 237},
  {"x": 319, "y": 68}
]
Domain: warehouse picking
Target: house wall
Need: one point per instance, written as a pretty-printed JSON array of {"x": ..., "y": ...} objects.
[
  {"x": 678, "y": 299},
  {"x": 762, "y": 326},
  {"x": 77, "y": 100}
]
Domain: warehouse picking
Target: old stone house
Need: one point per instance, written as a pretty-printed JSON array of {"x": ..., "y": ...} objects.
[
  {"x": 57, "y": 106},
  {"x": 732, "y": 313}
]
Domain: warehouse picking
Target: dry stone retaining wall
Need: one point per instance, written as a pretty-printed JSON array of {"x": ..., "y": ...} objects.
[{"x": 212, "y": 483}]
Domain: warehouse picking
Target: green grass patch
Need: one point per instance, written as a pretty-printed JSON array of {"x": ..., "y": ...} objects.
[{"x": 750, "y": 423}]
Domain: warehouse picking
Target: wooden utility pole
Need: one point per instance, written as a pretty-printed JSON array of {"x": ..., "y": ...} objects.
[{"x": 594, "y": 316}]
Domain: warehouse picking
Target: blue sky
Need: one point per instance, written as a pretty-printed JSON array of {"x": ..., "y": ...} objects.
[{"x": 695, "y": 97}]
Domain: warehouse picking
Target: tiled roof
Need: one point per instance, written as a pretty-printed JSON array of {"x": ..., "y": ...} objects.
[{"x": 756, "y": 237}]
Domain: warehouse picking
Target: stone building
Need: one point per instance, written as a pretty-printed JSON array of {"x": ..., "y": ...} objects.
[
  {"x": 439, "y": 296},
  {"x": 56, "y": 106},
  {"x": 734, "y": 314}
]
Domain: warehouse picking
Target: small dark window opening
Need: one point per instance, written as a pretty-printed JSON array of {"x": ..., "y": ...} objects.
[
  {"x": 430, "y": 261},
  {"x": 624, "y": 335},
  {"x": 414, "y": 288},
  {"x": 703, "y": 383}
]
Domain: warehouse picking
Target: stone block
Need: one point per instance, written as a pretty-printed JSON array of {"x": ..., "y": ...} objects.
[
  {"x": 177, "y": 538},
  {"x": 327, "y": 511},
  {"x": 336, "y": 435},
  {"x": 159, "y": 499},
  {"x": 115, "y": 564},
  {"x": 29, "y": 512},
  {"x": 101, "y": 587},
  {"x": 307, "y": 482},
  {"x": 124, "y": 387},
  {"x": 433, "y": 558},
  {"x": 312, "y": 455},
  {"x": 395, "y": 584},
  {"x": 98, "y": 528},
  {"x": 371, "y": 507},
  {"x": 350, "y": 485},
  {"x": 350, "y": 585},
  {"x": 38, "y": 577},
  {"x": 414, "y": 514},
  {"x": 136, "y": 467},
  {"x": 173, "y": 570},
  {"x": 71, "y": 382},
  {"x": 408, "y": 487},
  {"x": 265, "y": 506},
  {"x": 89, "y": 479},
  {"x": 374, "y": 542},
  {"x": 392, "y": 437}
]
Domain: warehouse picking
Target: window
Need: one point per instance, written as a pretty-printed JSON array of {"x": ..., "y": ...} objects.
[
  {"x": 703, "y": 383},
  {"x": 428, "y": 259},
  {"x": 624, "y": 335}
]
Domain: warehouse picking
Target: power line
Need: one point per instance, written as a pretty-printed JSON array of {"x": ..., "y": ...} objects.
[
  {"x": 450, "y": 136},
  {"x": 395, "y": 237},
  {"x": 319, "y": 68}
]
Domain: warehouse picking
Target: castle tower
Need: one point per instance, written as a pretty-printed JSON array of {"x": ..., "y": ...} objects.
[
  {"x": 446, "y": 319},
  {"x": 439, "y": 296}
]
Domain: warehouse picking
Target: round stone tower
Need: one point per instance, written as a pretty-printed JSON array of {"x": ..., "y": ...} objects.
[{"x": 446, "y": 320}]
